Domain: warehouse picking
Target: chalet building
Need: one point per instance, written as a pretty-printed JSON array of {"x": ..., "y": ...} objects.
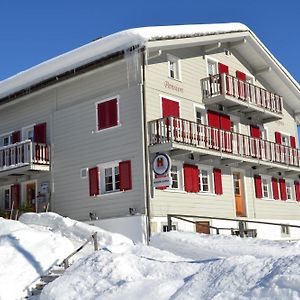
[{"x": 80, "y": 132}]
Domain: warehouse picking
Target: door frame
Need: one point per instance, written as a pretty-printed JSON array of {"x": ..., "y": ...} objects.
[
  {"x": 23, "y": 190},
  {"x": 244, "y": 191}
]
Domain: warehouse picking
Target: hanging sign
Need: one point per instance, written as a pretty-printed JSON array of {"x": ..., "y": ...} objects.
[{"x": 161, "y": 164}]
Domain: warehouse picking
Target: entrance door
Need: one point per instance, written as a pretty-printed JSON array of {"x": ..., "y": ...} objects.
[
  {"x": 30, "y": 195},
  {"x": 202, "y": 227},
  {"x": 240, "y": 206}
]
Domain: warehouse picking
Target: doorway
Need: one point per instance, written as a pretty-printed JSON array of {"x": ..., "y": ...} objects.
[
  {"x": 30, "y": 194},
  {"x": 240, "y": 205}
]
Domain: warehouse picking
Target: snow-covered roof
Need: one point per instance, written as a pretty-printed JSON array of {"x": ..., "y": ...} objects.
[{"x": 105, "y": 46}]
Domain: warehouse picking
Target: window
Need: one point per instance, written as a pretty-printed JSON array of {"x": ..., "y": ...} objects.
[
  {"x": 28, "y": 133},
  {"x": 266, "y": 187},
  {"x": 285, "y": 230},
  {"x": 200, "y": 115},
  {"x": 205, "y": 180},
  {"x": 212, "y": 67},
  {"x": 174, "y": 67},
  {"x": 6, "y": 140},
  {"x": 175, "y": 177},
  {"x": 285, "y": 140},
  {"x": 289, "y": 190},
  {"x": 83, "y": 173},
  {"x": 112, "y": 179},
  {"x": 107, "y": 113}
]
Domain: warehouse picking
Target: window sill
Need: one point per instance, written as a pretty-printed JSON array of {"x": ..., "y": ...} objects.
[
  {"x": 111, "y": 194},
  {"x": 108, "y": 128},
  {"x": 184, "y": 192}
]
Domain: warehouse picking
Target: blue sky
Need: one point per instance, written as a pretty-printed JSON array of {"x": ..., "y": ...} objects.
[{"x": 33, "y": 31}]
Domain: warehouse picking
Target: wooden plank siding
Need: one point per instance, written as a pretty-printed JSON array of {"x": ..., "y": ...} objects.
[
  {"x": 193, "y": 68},
  {"x": 70, "y": 112}
]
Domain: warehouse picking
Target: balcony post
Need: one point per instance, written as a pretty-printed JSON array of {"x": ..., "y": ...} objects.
[{"x": 223, "y": 84}]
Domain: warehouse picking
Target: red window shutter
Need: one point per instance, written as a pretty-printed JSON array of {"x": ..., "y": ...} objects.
[
  {"x": 282, "y": 189},
  {"x": 297, "y": 190},
  {"x": 293, "y": 141},
  {"x": 258, "y": 187},
  {"x": 40, "y": 133},
  {"x": 16, "y": 136},
  {"x": 225, "y": 122},
  {"x": 275, "y": 188},
  {"x": 170, "y": 108},
  {"x": 107, "y": 114},
  {"x": 223, "y": 68},
  {"x": 255, "y": 131},
  {"x": 125, "y": 175},
  {"x": 278, "y": 137},
  {"x": 191, "y": 178},
  {"x": 94, "y": 181},
  {"x": 240, "y": 75},
  {"x": 15, "y": 195},
  {"x": 218, "y": 181},
  {"x": 213, "y": 119}
]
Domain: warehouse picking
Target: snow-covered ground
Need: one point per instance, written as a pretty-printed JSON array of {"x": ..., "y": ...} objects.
[{"x": 176, "y": 265}]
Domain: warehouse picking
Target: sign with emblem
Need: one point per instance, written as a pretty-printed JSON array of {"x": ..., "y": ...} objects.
[{"x": 161, "y": 164}]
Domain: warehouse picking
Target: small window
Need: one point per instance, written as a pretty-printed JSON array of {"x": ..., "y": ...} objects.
[
  {"x": 175, "y": 177},
  {"x": 107, "y": 114},
  {"x": 285, "y": 140},
  {"x": 200, "y": 115},
  {"x": 111, "y": 179},
  {"x": 6, "y": 140},
  {"x": 289, "y": 190},
  {"x": 212, "y": 67},
  {"x": 83, "y": 173},
  {"x": 266, "y": 187},
  {"x": 174, "y": 67},
  {"x": 285, "y": 230},
  {"x": 205, "y": 180}
]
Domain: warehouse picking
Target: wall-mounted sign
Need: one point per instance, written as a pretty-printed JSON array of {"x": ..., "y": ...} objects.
[
  {"x": 174, "y": 87},
  {"x": 162, "y": 181},
  {"x": 161, "y": 164}
]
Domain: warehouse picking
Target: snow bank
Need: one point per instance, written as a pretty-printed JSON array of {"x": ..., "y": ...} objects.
[
  {"x": 214, "y": 267},
  {"x": 201, "y": 246},
  {"x": 76, "y": 230},
  {"x": 25, "y": 254}
]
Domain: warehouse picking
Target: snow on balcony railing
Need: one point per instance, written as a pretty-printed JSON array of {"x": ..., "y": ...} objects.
[
  {"x": 244, "y": 91},
  {"x": 176, "y": 130},
  {"x": 23, "y": 153}
]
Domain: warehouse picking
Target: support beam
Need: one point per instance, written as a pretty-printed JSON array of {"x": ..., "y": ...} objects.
[
  {"x": 262, "y": 70},
  {"x": 237, "y": 43},
  {"x": 178, "y": 152},
  {"x": 206, "y": 158},
  {"x": 228, "y": 161},
  {"x": 234, "y": 108},
  {"x": 212, "y": 47}
]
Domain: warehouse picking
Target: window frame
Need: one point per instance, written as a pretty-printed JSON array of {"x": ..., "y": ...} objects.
[
  {"x": 102, "y": 183},
  {"x": 210, "y": 178},
  {"x": 215, "y": 61},
  {"x": 269, "y": 186},
  {"x": 177, "y": 61},
  {"x": 179, "y": 167},
  {"x": 289, "y": 185},
  {"x": 117, "y": 97},
  {"x": 285, "y": 230},
  {"x": 6, "y": 135},
  {"x": 24, "y": 132},
  {"x": 203, "y": 111}
]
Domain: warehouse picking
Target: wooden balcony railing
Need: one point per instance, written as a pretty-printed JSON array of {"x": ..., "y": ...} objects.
[
  {"x": 23, "y": 153},
  {"x": 176, "y": 130},
  {"x": 242, "y": 90}
]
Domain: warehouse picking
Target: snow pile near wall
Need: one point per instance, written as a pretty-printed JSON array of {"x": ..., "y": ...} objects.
[
  {"x": 247, "y": 273},
  {"x": 25, "y": 254},
  {"x": 75, "y": 230}
]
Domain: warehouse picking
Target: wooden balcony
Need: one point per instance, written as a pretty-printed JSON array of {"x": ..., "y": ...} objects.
[
  {"x": 19, "y": 158},
  {"x": 172, "y": 133},
  {"x": 241, "y": 97}
]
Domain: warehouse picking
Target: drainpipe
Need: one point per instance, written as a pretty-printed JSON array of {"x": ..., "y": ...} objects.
[{"x": 146, "y": 153}]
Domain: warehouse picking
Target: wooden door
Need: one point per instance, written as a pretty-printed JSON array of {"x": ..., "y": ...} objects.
[
  {"x": 30, "y": 195},
  {"x": 202, "y": 227},
  {"x": 240, "y": 206}
]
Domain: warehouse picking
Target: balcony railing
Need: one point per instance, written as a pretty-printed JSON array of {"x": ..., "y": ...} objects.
[
  {"x": 227, "y": 85},
  {"x": 22, "y": 154},
  {"x": 176, "y": 130}
]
